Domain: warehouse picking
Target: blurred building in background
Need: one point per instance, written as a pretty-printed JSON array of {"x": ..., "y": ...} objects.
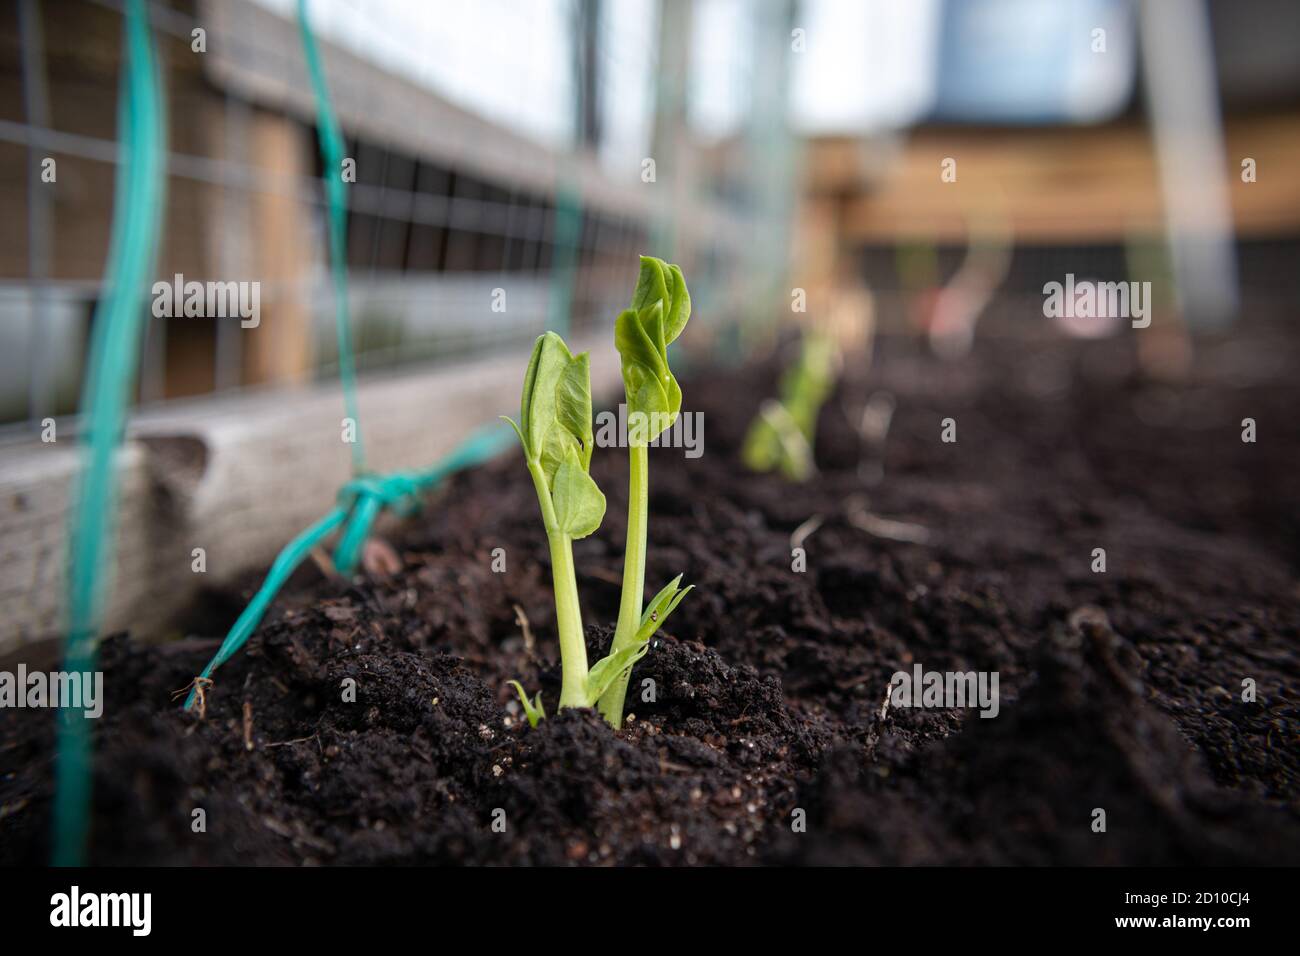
[{"x": 1103, "y": 138}]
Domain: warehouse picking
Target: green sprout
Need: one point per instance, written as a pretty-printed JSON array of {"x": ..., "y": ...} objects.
[
  {"x": 781, "y": 437},
  {"x": 660, "y": 308},
  {"x": 533, "y": 709},
  {"x": 555, "y": 430}
]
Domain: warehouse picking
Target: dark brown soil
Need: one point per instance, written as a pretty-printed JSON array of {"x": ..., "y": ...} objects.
[{"x": 1120, "y": 691}]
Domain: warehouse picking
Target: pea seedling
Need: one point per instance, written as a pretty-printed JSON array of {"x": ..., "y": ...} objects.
[
  {"x": 555, "y": 430},
  {"x": 660, "y": 308},
  {"x": 556, "y": 433},
  {"x": 781, "y": 437}
]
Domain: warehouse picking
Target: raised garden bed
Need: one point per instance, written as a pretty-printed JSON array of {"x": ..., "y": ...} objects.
[{"x": 1119, "y": 690}]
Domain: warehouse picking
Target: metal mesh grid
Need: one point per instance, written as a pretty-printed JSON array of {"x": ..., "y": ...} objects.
[{"x": 439, "y": 220}]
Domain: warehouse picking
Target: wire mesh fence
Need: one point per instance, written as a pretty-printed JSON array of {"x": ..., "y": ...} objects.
[{"x": 465, "y": 232}]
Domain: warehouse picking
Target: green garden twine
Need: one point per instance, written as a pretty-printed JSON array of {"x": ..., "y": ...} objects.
[{"x": 110, "y": 379}]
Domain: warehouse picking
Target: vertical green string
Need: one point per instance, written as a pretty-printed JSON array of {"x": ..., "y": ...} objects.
[
  {"x": 114, "y": 353},
  {"x": 331, "y": 147}
]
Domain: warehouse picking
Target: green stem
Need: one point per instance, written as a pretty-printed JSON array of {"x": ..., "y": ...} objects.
[
  {"x": 568, "y": 619},
  {"x": 629, "y": 609},
  {"x": 568, "y": 613}
]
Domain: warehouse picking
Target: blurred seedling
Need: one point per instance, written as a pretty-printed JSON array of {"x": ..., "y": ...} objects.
[{"x": 781, "y": 437}]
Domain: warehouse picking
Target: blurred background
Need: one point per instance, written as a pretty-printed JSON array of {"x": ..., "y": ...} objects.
[{"x": 876, "y": 167}]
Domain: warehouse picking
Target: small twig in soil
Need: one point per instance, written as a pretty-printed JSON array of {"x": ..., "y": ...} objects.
[
  {"x": 298, "y": 740},
  {"x": 380, "y": 559},
  {"x": 889, "y": 696},
  {"x": 296, "y": 835},
  {"x": 320, "y": 557},
  {"x": 200, "y": 685},
  {"x": 666, "y": 765},
  {"x": 530, "y": 644},
  {"x": 801, "y": 534},
  {"x": 248, "y": 725},
  {"x": 888, "y": 528}
]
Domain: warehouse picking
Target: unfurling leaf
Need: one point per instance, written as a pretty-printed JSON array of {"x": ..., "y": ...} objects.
[
  {"x": 660, "y": 606},
  {"x": 533, "y": 709},
  {"x": 660, "y": 282},
  {"x": 579, "y": 503},
  {"x": 660, "y": 307},
  {"x": 661, "y": 598},
  {"x": 556, "y": 432},
  {"x": 537, "y": 407},
  {"x": 573, "y": 404},
  {"x": 605, "y": 670},
  {"x": 651, "y": 286}
]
